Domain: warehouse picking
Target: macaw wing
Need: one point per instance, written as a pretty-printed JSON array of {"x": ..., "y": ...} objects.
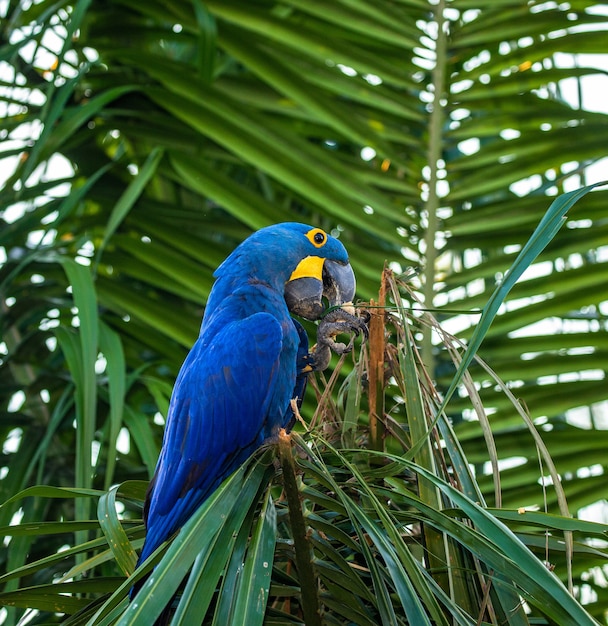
[{"x": 218, "y": 408}]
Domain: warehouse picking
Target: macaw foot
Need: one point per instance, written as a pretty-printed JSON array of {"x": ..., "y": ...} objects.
[{"x": 336, "y": 322}]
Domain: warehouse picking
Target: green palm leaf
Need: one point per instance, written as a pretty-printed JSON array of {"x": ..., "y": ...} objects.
[{"x": 431, "y": 136}]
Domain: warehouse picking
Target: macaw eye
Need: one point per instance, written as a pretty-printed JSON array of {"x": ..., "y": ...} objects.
[{"x": 317, "y": 237}]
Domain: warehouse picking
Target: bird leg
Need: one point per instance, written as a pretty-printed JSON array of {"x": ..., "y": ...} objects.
[{"x": 336, "y": 322}]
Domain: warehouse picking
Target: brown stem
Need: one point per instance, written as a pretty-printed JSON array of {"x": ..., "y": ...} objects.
[
  {"x": 303, "y": 551},
  {"x": 376, "y": 367}
]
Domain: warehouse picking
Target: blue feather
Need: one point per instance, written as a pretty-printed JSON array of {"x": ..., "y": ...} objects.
[{"x": 237, "y": 375}]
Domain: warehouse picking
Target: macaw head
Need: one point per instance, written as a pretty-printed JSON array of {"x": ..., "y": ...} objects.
[
  {"x": 322, "y": 273},
  {"x": 306, "y": 263}
]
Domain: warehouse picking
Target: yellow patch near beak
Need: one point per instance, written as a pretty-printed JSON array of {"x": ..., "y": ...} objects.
[{"x": 309, "y": 267}]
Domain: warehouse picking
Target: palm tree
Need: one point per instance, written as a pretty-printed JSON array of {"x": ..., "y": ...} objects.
[{"x": 145, "y": 140}]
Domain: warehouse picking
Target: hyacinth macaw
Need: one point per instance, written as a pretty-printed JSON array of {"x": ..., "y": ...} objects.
[{"x": 234, "y": 390}]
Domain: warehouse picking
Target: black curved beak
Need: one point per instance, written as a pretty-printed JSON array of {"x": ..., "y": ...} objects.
[{"x": 304, "y": 294}]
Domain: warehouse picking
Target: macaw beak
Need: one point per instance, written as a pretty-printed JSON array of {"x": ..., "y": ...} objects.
[{"x": 314, "y": 279}]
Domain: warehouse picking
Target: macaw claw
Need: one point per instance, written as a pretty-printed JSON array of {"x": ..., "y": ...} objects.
[{"x": 336, "y": 322}]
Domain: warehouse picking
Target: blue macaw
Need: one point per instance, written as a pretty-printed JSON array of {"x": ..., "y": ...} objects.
[{"x": 234, "y": 390}]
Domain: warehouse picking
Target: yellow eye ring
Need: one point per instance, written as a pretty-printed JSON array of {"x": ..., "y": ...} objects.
[{"x": 317, "y": 237}]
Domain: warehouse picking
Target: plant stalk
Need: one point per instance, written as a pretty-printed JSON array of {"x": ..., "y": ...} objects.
[
  {"x": 377, "y": 346},
  {"x": 303, "y": 551},
  {"x": 434, "y": 154}
]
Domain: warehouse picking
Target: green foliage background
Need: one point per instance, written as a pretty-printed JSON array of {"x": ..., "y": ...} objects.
[{"x": 188, "y": 124}]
